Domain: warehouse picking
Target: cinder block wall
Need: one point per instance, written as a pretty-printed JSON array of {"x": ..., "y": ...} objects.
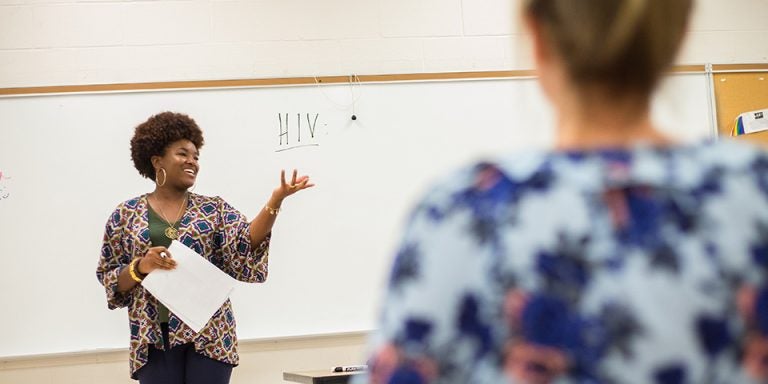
[{"x": 60, "y": 42}]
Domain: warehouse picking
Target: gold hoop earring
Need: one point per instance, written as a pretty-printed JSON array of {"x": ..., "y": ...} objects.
[{"x": 157, "y": 176}]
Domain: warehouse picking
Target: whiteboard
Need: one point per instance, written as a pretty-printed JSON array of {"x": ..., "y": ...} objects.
[{"x": 65, "y": 164}]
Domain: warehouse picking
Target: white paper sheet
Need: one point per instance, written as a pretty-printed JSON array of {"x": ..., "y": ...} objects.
[
  {"x": 194, "y": 291},
  {"x": 755, "y": 121}
]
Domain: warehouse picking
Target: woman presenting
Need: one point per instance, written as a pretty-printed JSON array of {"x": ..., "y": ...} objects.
[{"x": 163, "y": 349}]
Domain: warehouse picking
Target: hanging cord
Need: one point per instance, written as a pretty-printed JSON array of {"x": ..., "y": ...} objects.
[
  {"x": 352, "y": 91},
  {"x": 354, "y": 81}
]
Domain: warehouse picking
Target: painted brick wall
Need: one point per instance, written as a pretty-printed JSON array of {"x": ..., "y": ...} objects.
[{"x": 50, "y": 42}]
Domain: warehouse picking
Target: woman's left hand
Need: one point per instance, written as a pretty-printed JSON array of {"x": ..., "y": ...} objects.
[{"x": 297, "y": 183}]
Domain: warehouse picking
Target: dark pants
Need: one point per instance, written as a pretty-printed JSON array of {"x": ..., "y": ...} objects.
[{"x": 182, "y": 365}]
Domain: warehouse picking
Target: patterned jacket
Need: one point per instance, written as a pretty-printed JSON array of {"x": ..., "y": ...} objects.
[
  {"x": 210, "y": 227},
  {"x": 639, "y": 265}
]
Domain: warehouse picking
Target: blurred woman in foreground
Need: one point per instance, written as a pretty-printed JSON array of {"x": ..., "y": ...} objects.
[{"x": 620, "y": 256}]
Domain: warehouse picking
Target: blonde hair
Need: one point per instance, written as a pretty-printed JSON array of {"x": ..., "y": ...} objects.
[{"x": 620, "y": 46}]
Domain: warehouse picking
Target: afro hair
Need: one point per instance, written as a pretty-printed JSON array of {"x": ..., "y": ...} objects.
[{"x": 152, "y": 137}]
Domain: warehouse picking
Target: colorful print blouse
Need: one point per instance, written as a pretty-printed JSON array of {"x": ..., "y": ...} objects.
[
  {"x": 213, "y": 229},
  {"x": 642, "y": 265}
]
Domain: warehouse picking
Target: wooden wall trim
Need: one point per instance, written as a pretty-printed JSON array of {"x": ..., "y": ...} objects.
[
  {"x": 725, "y": 68},
  {"x": 287, "y": 81},
  {"x": 270, "y": 82}
]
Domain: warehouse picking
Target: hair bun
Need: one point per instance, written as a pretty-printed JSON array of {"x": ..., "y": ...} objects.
[{"x": 621, "y": 45}]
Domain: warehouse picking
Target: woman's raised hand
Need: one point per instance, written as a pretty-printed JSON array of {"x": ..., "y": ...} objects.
[{"x": 297, "y": 183}]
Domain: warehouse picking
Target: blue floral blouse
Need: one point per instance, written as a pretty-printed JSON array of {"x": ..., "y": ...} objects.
[{"x": 640, "y": 265}]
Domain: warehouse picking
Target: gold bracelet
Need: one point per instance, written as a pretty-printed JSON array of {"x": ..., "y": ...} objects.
[
  {"x": 272, "y": 211},
  {"x": 132, "y": 270}
]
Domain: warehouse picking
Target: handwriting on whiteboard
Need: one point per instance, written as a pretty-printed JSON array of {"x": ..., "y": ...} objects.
[
  {"x": 297, "y": 130},
  {"x": 4, "y": 193}
]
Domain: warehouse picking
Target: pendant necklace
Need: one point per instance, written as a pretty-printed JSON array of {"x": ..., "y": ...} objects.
[{"x": 171, "y": 232}]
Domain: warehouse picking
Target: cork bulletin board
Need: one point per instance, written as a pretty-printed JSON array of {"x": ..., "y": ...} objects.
[{"x": 740, "y": 89}]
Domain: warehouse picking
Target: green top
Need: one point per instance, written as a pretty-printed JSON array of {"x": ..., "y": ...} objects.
[{"x": 157, "y": 237}]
